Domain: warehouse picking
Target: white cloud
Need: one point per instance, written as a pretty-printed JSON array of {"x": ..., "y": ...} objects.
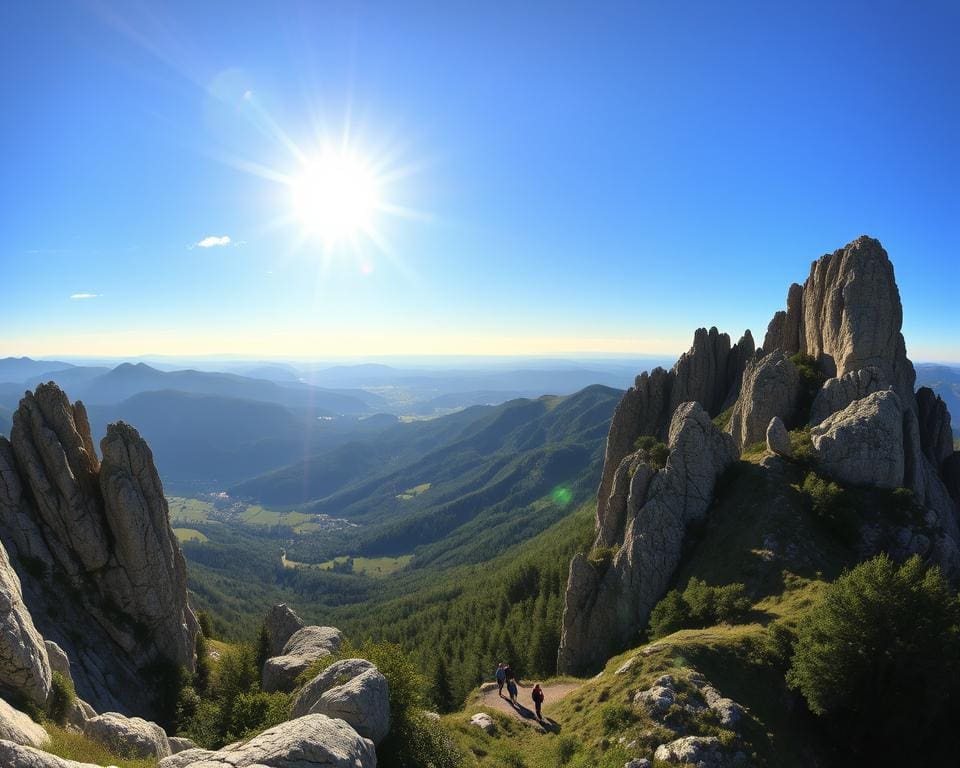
[
  {"x": 84, "y": 295},
  {"x": 212, "y": 241}
]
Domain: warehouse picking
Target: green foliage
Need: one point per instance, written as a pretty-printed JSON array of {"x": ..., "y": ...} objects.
[
  {"x": 880, "y": 655},
  {"x": 70, "y": 745},
  {"x": 652, "y": 451},
  {"x": 616, "y": 717},
  {"x": 264, "y": 644},
  {"x": 167, "y": 683},
  {"x": 699, "y": 605},
  {"x": 201, "y": 674},
  {"x": 601, "y": 558},
  {"x": 233, "y": 706},
  {"x": 61, "y": 698},
  {"x": 206, "y": 628},
  {"x": 722, "y": 419},
  {"x": 830, "y": 506},
  {"x": 442, "y": 691}
]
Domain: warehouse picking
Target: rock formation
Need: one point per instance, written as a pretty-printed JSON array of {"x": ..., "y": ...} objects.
[
  {"x": 607, "y": 603},
  {"x": 850, "y": 319},
  {"x": 281, "y": 623},
  {"x": 24, "y": 665},
  {"x": 771, "y": 387},
  {"x": 312, "y": 740},
  {"x": 303, "y": 648},
  {"x": 709, "y": 373},
  {"x": 863, "y": 443},
  {"x": 353, "y": 690},
  {"x": 867, "y": 427},
  {"x": 103, "y": 574}
]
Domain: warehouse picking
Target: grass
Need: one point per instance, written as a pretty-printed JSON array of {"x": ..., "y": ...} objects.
[
  {"x": 412, "y": 493},
  {"x": 189, "y": 534},
  {"x": 189, "y": 510},
  {"x": 375, "y": 567},
  {"x": 82, "y": 749},
  {"x": 260, "y": 516}
]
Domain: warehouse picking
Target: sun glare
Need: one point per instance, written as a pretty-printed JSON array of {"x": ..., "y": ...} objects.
[{"x": 336, "y": 196}]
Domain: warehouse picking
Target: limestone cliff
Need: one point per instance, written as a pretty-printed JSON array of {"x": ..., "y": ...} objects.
[
  {"x": 608, "y": 600},
  {"x": 709, "y": 374},
  {"x": 867, "y": 427},
  {"x": 103, "y": 575}
]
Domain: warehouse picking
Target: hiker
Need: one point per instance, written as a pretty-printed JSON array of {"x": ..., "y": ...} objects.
[
  {"x": 501, "y": 679},
  {"x": 537, "y": 695},
  {"x": 512, "y": 690}
]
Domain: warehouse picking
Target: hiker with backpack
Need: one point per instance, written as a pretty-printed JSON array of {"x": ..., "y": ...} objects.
[
  {"x": 511, "y": 679},
  {"x": 501, "y": 679},
  {"x": 537, "y": 696}
]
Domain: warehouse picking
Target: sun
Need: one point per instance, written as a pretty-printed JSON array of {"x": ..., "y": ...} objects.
[{"x": 336, "y": 196}]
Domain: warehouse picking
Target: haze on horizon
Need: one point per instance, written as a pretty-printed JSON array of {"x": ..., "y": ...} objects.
[{"x": 317, "y": 181}]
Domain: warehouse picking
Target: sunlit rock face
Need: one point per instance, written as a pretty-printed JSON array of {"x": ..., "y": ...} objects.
[
  {"x": 709, "y": 373},
  {"x": 867, "y": 426},
  {"x": 102, "y": 572},
  {"x": 606, "y": 604}
]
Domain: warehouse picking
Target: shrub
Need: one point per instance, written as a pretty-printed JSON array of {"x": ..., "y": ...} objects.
[
  {"x": 811, "y": 380},
  {"x": 566, "y": 748},
  {"x": 601, "y": 558},
  {"x": 669, "y": 615},
  {"x": 699, "y": 605},
  {"x": 829, "y": 504},
  {"x": 879, "y": 656},
  {"x": 652, "y": 451},
  {"x": 61, "y": 699},
  {"x": 255, "y": 712},
  {"x": 616, "y": 717}
]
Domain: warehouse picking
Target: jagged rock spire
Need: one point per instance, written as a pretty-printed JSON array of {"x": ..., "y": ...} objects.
[{"x": 102, "y": 572}]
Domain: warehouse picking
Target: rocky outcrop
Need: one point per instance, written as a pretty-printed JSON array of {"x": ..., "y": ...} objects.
[
  {"x": 783, "y": 332},
  {"x": 771, "y": 387},
  {"x": 24, "y": 665},
  {"x": 936, "y": 435},
  {"x": 837, "y": 393},
  {"x": 863, "y": 443},
  {"x": 709, "y": 373},
  {"x": 281, "y": 623},
  {"x": 700, "y": 751},
  {"x": 17, "y": 727},
  {"x": 353, "y": 690},
  {"x": 778, "y": 438},
  {"x": 484, "y": 722},
  {"x": 607, "y": 603},
  {"x": 108, "y": 580},
  {"x": 312, "y": 740},
  {"x": 305, "y": 646},
  {"x": 128, "y": 735}
]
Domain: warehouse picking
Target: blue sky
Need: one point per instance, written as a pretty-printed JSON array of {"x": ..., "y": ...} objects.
[{"x": 572, "y": 177}]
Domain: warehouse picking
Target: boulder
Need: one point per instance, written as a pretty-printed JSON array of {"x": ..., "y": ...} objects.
[
  {"x": 303, "y": 647},
  {"x": 180, "y": 744},
  {"x": 18, "y": 756},
  {"x": 778, "y": 438},
  {"x": 281, "y": 623},
  {"x": 656, "y": 700},
  {"x": 24, "y": 666},
  {"x": 353, "y": 690},
  {"x": 59, "y": 661},
  {"x": 313, "y": 740},
  {"x": 700, "y": 751},
  {"x": 837, "y": 393},
  {"x": 637, "y": 762},
  {"x": 771, "y": 387},
  {"x": 606, "y": 605},
  {"x": 863, "y": 443},
  {"x": 131, "y": 735},
  {"x": 17, "y": 727},
  {"x": 728, "y": 712},
  {"x": 484, "y": 722}
]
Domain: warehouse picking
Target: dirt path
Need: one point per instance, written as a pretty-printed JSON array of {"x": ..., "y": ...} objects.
[{"x": 524, "y": 710}]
